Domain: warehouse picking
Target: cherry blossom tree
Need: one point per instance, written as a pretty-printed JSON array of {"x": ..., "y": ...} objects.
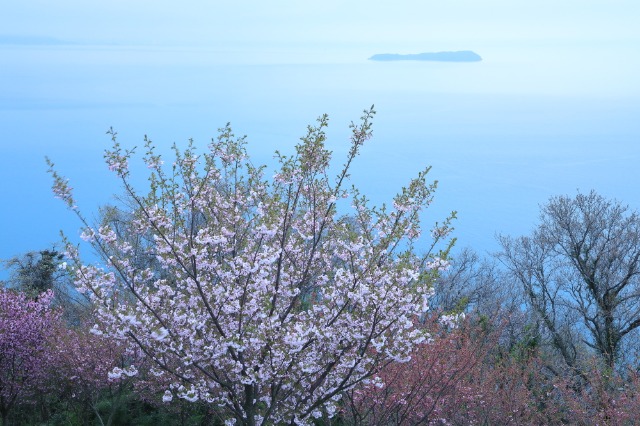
[
  {"x": 262, "y": 298},
  {"x": 25, "y": 356}
]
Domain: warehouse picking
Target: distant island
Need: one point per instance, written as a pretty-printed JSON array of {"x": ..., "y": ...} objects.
[{"x": 459, "y": 56}]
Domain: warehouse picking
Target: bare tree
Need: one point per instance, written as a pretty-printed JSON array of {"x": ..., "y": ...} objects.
[
  {"x": 580, "y": 272},
  {"x": 476, "y": 285},
  {"x": 469, "y": 283}
]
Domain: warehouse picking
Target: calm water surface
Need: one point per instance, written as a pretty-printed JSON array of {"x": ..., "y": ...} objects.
[{"x": 502, "y": 135}]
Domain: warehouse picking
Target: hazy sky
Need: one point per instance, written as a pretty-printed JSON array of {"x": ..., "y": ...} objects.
[
  {"x": 560, "y": 46},
  {"x": 340, "y": 21}
]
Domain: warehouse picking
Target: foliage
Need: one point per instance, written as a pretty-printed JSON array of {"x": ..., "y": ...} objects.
[
  {"x": 262, "y": 299},
  {"x": 34, "y": 273}
]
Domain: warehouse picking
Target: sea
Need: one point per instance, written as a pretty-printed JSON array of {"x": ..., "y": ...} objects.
[{"x": 502, "y": 135}]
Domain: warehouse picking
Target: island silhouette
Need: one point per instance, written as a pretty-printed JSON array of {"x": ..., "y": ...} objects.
[{"x": 458, "y": 56}]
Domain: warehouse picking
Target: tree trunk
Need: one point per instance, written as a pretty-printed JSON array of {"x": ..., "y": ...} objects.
[
  {"x": 5, "y": 417},
  {"x": 249, "y": 405}
]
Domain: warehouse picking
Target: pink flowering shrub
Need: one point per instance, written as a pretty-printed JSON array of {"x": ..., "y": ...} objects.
[
  {"x": 420, "y": 391},
  {"x": 84, "y": 371},
  {"x": 608, "y": 398},
  {"x": 460, "y": 377},
  {"x": 261, "y": 298},
  {"x": 25, "y": 355},
  {"x": 506, "y": 391},
  {"x": 516, "y": 391}
]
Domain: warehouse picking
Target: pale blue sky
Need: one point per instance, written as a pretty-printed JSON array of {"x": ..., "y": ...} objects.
[{"x": 463, "y": 21}]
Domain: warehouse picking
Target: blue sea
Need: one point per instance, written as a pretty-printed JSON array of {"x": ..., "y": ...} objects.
[{"x": 502, "y": 135}]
